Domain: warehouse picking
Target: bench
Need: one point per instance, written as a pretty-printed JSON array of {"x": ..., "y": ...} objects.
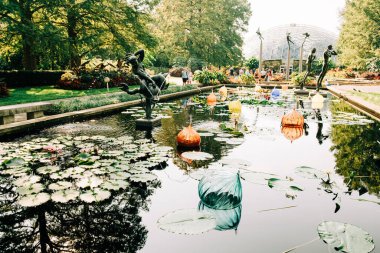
[{"x": 32, "y": 110}]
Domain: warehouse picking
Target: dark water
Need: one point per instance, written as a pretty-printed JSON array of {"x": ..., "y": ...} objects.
[{"x": 267, "y": 220}]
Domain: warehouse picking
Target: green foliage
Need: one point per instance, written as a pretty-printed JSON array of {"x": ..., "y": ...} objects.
[
  {"x": 359, "y": 40},
  {"x": 195, "y": 63},
  {"x": 252, "y": 63},
  {"x": 297, "y": 78},
  {"x": 101, "y": 100},
  {"x": 4, "y": 92},
  {"x": 207, "y": 30},
  {"x": 356, "y": 152},
  {"x": 316, "y": 67},
  {"x": 58, "y": 34},
  {"x": 248, "y": 79},
  {"x": 210, "y": 77}
]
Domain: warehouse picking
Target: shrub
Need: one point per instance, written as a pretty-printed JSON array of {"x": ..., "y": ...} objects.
[
  {"x": 252, "y": 63},
  {"x": 297, "y": 78},
  {"x": 176, "y": 72},
  {"x": 278, "y": 77},
  {"x": 4, "y": 92},
  {"x": 22, "y": 78},
  {"x": 95, "y": 80},
  {"x": 210, "y": 77},
  {"x": 338, "y": 73},
  {"x": 370, "y": 76},
  {"x": 248, "y": 79}
]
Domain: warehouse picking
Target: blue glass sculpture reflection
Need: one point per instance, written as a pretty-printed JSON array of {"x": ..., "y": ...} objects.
[
  {"x": 220, "y": 190},
  {"x": 225, "y": 219},
  {"x": 275, "y": 94}
]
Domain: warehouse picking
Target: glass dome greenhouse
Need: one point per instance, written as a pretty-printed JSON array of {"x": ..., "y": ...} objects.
[{"x": 275, "y": 45}]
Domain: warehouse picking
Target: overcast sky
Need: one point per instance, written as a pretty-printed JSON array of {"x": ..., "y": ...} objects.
[{"x": 322, "y": 13}]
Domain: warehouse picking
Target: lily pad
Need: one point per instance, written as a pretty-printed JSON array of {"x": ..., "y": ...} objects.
[
  {"x": 30, "y": 189},
  {"x": 95, "y": 195},
  {"x": 187, "y": 221},
  {"x": 34, "y": 199},
  {"x": 346, "y": 237},
  {"x": 256, "y": 177},
  {"x": 47, "y": 169},
  {"x": 145, "y": 177},
  {"x": 60, "y": 185},
  {"x": 195, "y": 155},
  {"x": 89, "y": 182},
  {"x": 310, "y": 173},
  {"x": 64, "y": 196}
]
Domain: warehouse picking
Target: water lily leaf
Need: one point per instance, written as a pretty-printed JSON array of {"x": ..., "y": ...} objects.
[
  {"x": 30, "y": 189},
  {"x": 346, "y": 237},
  {"x": 14, "y": 162},
  {"x": 236, "y": 163},
  {"x": 282, "y": 185},
  {"x": 47, "y": 169},
  {"x": 235, "y": 141},
  {"x": 205, "y": 134},
  {"x": 89, "y": 182},
  {"x": 121, "y": 175},
  {"x": 34, "y": 199},
  {"x": 95, "y": 195},
  {"x": 146, "y": 177},
  {"x": 256, "y": 177},
  {"x": 220, "y": 139},
  {"x": 195, "y": 155},
  {"x": 114, "y": 185},
  {"x": 60, "y": 185},
  {"x": 310, "y": 173},
  {"x": 27, "y": 180},
  {"x": 187, "y": 221},
  {"x": 64, "y": 196}
]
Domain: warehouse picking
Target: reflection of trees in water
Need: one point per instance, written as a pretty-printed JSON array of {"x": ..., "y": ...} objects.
[
  {"x": 110, "y": 226},
  {"x": 357, "y": 151}
]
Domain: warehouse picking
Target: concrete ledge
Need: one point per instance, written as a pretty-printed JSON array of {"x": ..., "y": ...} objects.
[
  {"x": 363, "y": 106},
  {"x": 24, "y": 108},
  {"x": 25, "y": 127}
]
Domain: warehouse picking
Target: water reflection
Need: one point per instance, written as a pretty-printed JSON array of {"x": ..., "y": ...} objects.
[
  {"x": 110, "y": 226},
  {"x": 357, "y": 152}
]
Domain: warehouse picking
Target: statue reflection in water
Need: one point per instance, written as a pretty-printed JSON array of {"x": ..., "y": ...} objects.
[
  {"x": 113, "y": 225},
  {"x": 320, "y": 136}
]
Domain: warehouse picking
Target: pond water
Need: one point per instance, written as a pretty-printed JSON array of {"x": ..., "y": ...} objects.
[{"x": 103, "y": 186}]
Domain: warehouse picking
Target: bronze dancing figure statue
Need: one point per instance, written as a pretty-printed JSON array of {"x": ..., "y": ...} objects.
[
  {"x": 326, "y": 56},
  {"x": 310, "y": 60},
  {"x": 150, "y": 87}
]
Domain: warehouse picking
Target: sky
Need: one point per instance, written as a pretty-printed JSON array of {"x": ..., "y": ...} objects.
[{"x": 322, "y": 13}]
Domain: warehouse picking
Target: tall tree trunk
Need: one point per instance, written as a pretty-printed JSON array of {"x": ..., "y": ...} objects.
[
  {"x": 72, "y": 19},
  {"x": 29, "y": 59}
]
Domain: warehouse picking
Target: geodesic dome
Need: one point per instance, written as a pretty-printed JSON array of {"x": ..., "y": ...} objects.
[{"x": 275, "y": 45}]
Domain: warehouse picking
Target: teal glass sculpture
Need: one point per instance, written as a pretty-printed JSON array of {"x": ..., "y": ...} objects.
[
  {"x": 220, "y": 189},
  {"x": 225, "y": 219}
]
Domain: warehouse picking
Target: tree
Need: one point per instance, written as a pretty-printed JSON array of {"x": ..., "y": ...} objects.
[
  {"x": 359, "y": 41},
  {"x": 252, "y": 63},
  {"x": 207, "y": 30},
  {"x": 20, "y": 24}
]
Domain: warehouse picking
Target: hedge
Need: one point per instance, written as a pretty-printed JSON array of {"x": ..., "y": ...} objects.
[{"x": 24, "y": 78}]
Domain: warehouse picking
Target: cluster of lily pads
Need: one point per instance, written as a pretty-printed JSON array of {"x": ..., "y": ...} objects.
[{"x": 82, "y": 168}]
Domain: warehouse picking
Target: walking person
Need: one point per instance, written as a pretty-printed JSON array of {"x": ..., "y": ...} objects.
[
  {"x": 190, "y": 76},
  {"x": 185, "y": 77}
]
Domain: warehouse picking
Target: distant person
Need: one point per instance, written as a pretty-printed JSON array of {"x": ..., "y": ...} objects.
[
  {"x": 231, "y": 72},
  {"x": 185, "y": 76},
  {"x": 190, "y": 76},
  {"x": 263, "y": 73},
  {"x": 269, "y": 75},
  {"x": 241, "y": 72}
]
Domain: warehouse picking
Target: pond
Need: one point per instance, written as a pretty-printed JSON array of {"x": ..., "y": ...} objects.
[{"x": 103, "y": 186}]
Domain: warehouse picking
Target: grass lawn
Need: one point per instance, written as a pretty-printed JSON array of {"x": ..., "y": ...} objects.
[
  {"x": 44, "y": 93},
  {"x": 372, "y": 97}
]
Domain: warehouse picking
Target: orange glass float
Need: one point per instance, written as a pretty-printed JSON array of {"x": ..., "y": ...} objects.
[
  {"x": 188, "y": 138},
  {"x": 211, "y": 99},
  {"x": 292, "y": 133},
  {"x": 292, "y": 119}
]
